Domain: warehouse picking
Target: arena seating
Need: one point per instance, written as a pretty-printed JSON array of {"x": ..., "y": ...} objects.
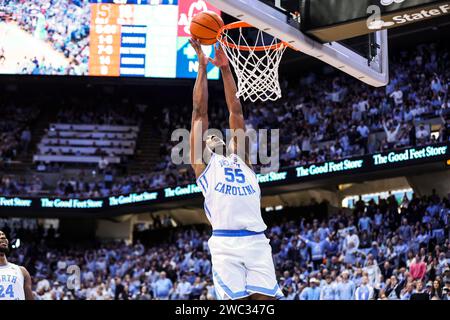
[
  {"x": 81, "y": 143},
  {"x": 15, "y": 134},
  {"x": 322, "y": 119},
  {"x": 400, "y": 251}
]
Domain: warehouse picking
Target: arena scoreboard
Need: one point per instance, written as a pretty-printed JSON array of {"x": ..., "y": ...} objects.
[
  {"x": 107, "y": 38},
  {"x": 145, "y": 39}
]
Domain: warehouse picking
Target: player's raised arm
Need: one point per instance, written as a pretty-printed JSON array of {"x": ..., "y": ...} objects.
[
  {"x": 199, "y": 122},
  {"x": 236, "y": 119}
]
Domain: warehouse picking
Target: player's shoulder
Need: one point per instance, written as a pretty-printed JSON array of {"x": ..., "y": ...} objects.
[
  {"x": 11, "y": 265},
  {"x": 25, "y": 273},
  {"x": 17, "y": 267},
  {"x": 23, "y": 270},
  {"x": 206, "y": 168},
  {"x": 236, "y": 158}
]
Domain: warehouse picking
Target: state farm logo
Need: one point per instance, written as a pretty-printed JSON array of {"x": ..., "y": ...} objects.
[
  {"x": 389, "y": 2},
  {"x": 375, "y": 21},
  {"x": 186, "y": 18}
]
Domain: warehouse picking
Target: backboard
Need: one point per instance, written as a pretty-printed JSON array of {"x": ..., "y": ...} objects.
[{"x": 280, "y": 19}]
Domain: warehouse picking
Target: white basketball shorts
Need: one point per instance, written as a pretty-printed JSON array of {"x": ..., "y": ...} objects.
[{"x": 242, "y": 265}]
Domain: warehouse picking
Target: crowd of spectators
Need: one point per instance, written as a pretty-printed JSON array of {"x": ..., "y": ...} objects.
[
  {"x": 83, "y": 186},
  {"x": 385, "y": 250},
  {"x": 322, "y": 117},
  {"x": 325, "y": 119},
  {"x": 13, "y": 186},
  {"x": 76, "y": 187},
  {"x": 100, "y": 110},
  {"x": 329, "y": 117},
  {"x": 64, "y": 24},
  {"x": 382, "y": 250},
  {"x": 15, "y": 134}
]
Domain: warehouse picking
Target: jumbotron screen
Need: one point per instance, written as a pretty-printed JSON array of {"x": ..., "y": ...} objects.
[{"x": 114, "y": 38}]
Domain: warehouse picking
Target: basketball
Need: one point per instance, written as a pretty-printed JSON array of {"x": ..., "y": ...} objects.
[{"x": 205, "y": 26}]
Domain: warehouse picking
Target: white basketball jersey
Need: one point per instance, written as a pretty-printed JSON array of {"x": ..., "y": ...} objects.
[
  {"x": 232, "y": 194},
  {"x": 11, "y": 282}
]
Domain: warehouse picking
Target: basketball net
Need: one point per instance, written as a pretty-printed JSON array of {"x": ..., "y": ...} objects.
[{"x": 255, "y": 64}]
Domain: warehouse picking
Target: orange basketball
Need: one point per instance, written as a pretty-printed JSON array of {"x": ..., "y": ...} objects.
[{"x": 205, "y": 26}]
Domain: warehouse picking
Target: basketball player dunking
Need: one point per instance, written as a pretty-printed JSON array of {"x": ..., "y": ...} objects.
[
  {"x": 15, "y": 281},
  {"x": 241, "y": 255}
]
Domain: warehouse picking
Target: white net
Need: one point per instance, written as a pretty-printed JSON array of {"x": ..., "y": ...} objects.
[{"x": 255, "y": 64}]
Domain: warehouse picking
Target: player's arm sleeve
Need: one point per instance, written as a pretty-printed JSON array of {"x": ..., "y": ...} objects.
[{"x": 27, "y": 284}]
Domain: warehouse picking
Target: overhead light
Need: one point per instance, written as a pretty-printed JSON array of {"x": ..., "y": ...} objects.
[
  {"x": 344, "y": 186},
  {"x": 16, "y": 244}
]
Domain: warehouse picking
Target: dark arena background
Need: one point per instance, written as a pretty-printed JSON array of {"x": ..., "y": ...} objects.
[{"x": 95, "y": 209}]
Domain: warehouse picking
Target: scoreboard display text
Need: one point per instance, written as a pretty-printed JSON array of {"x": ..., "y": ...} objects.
[
  {"x": 102, "y": 38},
  {"x": 145, "y": 39}
]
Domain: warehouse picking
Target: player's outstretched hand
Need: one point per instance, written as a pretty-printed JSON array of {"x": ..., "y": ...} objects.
[
  {"x": 202, "y": 59},
  {"x": 220, "y": 60}
]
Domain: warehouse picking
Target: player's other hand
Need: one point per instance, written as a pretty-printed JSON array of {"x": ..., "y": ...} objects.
[
  {"x": 220, "y": 60},
  {"x": 202, "y": 58}
]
